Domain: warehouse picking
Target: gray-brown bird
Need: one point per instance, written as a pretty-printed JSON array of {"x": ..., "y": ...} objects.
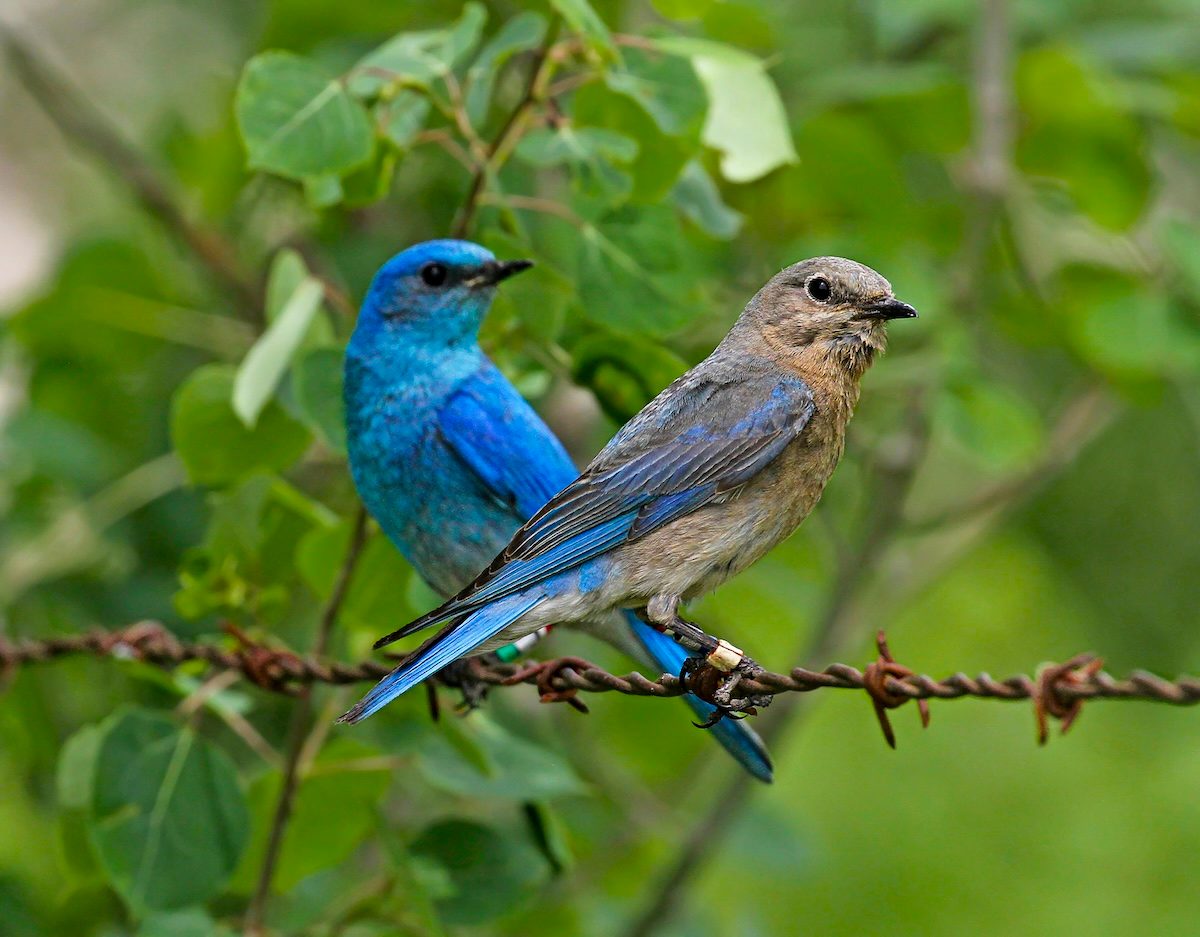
[{"x": 710, "y": 475}]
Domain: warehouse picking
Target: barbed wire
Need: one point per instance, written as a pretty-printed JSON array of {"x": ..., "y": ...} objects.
[{"x": 1058, "y": 690}]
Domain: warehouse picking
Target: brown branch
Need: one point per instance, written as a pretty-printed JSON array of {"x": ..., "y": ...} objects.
[
  {"x": 85, "y": 126},
  {"x": 299, "y": 728},
  {"x": 498, "y": 149}
]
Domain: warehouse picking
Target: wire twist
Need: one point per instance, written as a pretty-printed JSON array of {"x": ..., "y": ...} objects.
[{"x": 1058, "y": 691}]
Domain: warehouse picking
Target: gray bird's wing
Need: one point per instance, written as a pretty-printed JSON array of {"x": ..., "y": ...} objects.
[{"x": 706, "y": 435}]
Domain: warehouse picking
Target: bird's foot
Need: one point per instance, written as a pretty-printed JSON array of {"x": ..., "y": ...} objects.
[
  {"x": 463, "y": 675},
  {"x": 720, "y": 688},
  {"x": 717, "y": 668}
]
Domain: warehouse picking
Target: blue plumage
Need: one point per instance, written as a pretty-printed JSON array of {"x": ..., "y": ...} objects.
[{"x": 451, "y": 460}]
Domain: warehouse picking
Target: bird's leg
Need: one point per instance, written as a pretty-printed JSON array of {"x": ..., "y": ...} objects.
[
  {"x": 662, "y": 613},
  {"x": 461, "y": 675}
]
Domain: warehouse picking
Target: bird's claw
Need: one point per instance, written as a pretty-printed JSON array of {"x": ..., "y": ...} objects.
[
  {"x": 718, "y": 686},
  {"x": 463, "y": 676}
]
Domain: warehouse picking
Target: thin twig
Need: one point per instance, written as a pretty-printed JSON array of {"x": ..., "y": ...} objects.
[
  {"x": 498, "y": 150},
  {"x": 533, "y": 203},
  {"x": 298, "y": 731},
  {"x": 84, "y": 125}
]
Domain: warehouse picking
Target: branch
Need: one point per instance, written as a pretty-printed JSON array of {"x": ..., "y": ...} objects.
[
  {"x": 83, "y": 125},
  {"x": 299, "y": 728},
  {"x": 514, "y": 125}
]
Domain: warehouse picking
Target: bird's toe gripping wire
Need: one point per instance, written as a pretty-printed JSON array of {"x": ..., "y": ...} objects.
[
  {"x": 716, "y": 676},
  {"x": 465, "y": 675}
]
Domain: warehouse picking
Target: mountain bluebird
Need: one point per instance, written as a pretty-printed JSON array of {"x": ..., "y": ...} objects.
[
  {"x": 449, "y": 458},
  {"x": 710, "y": 475}
]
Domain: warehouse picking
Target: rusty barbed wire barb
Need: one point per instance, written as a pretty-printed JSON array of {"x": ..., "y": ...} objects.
[
  {"x": 542, "y": 675},
  {"x": 1048, "y": 701},
  {"x": 1058, "y": 688},
  {"x": 875, "y": 679}
]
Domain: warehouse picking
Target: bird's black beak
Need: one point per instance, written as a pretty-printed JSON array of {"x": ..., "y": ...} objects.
[
  {"x": 885, "y": 309},
  {"x": 494, "y": 271}
]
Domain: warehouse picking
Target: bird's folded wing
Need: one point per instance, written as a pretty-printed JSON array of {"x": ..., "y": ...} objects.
[
  {"x": 491, "y": 428},
  {"x": 650, "y": 478}
]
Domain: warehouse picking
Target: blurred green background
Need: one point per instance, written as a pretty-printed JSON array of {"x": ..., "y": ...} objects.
[{"x": 1022, "y": 481}]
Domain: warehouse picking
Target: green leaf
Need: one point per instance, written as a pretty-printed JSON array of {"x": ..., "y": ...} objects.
[
  {"x": 190, "y": 922},
  {"x": 403, "y": 116},
  {"x": 664, "y": 85},
  {"x": 416, "y": 59},
  {"x": 77, "y": 768},
  {"x": 999, "y": 428},
  {"x": 317, "y": 388},
  {"x": 213, "y": 443},
  {"x": 567, "y": 144},
  {"x": 378, "y": 596},
  {"x": 1181, "y": 248},
  {"x": 288, "y": 271},
  {"x": 697, "y": 196},
  {"x": 264, "y": 365},
  {"x": 519, "y": 769},
  {"x": 746, "y": 121},
  {"x": 523, "y": 32},
  {"x": 625, "y": 372},
  {"x": 297, "y": 121},
  {"x": 583, "y": 19},
  {"x": 486, "y": 871},
  {"x": 633, "y": 272},
  {"x": 168, "y": 818},
  {"x": 591, "y": 153},
  {"x": 333, "y": 815},
  {"x": 1076, "y": 129},
  {"x": 369, "y": 184},
  {"x": 682, "y": 9},
  {"x": 323, "y": 191},
  {"x": 466, "y": 744},
  {"x": 660, "y": 158},
  {"x": 550, "y": 835}
]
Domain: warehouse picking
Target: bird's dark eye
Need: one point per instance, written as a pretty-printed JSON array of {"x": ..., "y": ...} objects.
[
  {"x": 819, "y": 289},
  {"x": 434, "y": 274}
]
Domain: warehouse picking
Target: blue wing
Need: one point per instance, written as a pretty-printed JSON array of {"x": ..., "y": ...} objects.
[
  {"x": 491, "y": 428},
  {"x": 645, "y": 479}
]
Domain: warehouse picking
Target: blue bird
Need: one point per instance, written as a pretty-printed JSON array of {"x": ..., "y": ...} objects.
[
  {"x": 710, "y": 475},
  {"x": 450, "y": 459}
]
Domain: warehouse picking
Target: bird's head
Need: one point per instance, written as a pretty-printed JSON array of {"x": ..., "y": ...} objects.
[
  {"x": 441, "y": 289},
  {"x": 827, "y": 304}
]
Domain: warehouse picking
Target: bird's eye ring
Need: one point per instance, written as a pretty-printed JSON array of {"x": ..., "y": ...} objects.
[
  {"x": 434, "y": 274},
  {"x": 819, "y": 289}
]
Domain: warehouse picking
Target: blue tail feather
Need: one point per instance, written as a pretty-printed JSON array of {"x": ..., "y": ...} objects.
[
  {"x": 449, "y": 645},
  {"x": 735, "y": 736}
]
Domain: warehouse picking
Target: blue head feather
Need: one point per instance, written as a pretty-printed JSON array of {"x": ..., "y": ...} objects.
[{"x": 400, "y": 300}]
